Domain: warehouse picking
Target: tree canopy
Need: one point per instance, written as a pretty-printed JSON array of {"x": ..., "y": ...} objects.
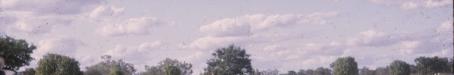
[
  {"x": 398, "y": 67},
  {"x": 110, "y": 67},
  {"x": 231, "y": 60},
  {"x": 345, "y": 66},
  {"x": 169, "y": 67},
  {"x": 54, "y": 64},
  {"x": 16, "y": 52}
]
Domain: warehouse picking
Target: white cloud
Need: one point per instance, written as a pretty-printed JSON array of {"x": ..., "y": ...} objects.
[
  {"x": 437, "y": 3},
  {"x": 249, "y": 24},
  {"x": 28, "y": 23},
  {"x": 131, "y": 26},
  {"x": 103, "y": 10},
  {"x": 409, "y": 5},
  {"x": 45, "y": 7},
  {"x": 414, "y": 4},
  {"x": 65, "y": 46},
  {"x": 446, "y": 26}
]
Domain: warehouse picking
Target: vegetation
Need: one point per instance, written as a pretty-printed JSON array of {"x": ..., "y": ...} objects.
[
  {"x": 231, "y": 60},
  {"x": 16, "y": 52},
  {"x": 54, "y": 64}
]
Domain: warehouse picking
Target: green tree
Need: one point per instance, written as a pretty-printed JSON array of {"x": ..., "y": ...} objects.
[
  {"x": 231, "y": 60},
  {"x": 16, "y": 52},
  {"x": 398, "y": 67},
  {"x": 291, "y": 73},
  {"x": 28, "y": 71},
  {"x": 345, "y": 66},
  {"x": 431, "y": 65},
  {"x": 54, "y": 64},
  {"x": 169, "y": 67},
  {"x": 110, "y": 67},
  {"x": 322, "y": 71},
  {"x": 366, "y": 71}
]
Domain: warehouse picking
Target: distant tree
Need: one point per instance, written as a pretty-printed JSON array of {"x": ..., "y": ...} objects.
[
  {"x": 301, "y": 72},
  {"x": 169, "y": 67},
  {"x": 28, "y": 71},
  {"x": 231, "y": 60},
  {"x": 309, "y": 72},
  {"x": 431, "y": 65},
  {"x": 399, "y": 67},
  {"x": 382, "y": 71},
  {"x": 266, "y": 72},
  {"x": 322, "y": 71},
  {"x": 54, "y": 64},
  {"x": 291, "y": 73},
  {"x": 110, "y": 67},
  {"x": 345, "y": 66},
  {"x": 366, "y": 71},
  {"x": 16, "y": 52}
]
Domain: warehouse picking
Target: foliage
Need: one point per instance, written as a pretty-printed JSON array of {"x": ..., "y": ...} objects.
[
  {"x": 54, "y": 64},
  {"x": 431, "y": 65},
  {"x": 345, "y": 66},
  {"x": 398, "y": 67},
  {"x": 28, "y": 71},
  {"x": 231, "y": 60},
  {"x": 110, "y": 67},
  {"x": 16, "y": 52},
  {"x": 169, "y": 67}
]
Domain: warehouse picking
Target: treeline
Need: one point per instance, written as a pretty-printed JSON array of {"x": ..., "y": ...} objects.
[
  {"x": 348, "y": 66},
  {"x": 231, "y": 60}
]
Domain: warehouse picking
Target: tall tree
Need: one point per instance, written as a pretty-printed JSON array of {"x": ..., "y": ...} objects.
[
  {"x": 231, "y": 60},
  {"x": 322, "y": 71},
  {"x": 382, "y": 71},
  {"x": 431, "y": 65},
  {"x": 28, "y": 71},
  {"x": 291, "y": 73},
  {"x": 345, "y": 66},
  {"x": 16, "y": 52},
  {"x": 110, "y": 67},
  {"x": 399, "y": 67},
  {"x": 366, "y": 71},
  {"x": 54, "y": 64},
  {"x": 169, "y": 67}
]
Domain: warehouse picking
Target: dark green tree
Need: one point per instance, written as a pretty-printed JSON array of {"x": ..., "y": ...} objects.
[
  {"x": 345, "y": 66},
  {"x": 110, "y": 67},
  {"x": 399, "y": 67},
  {"x": 231, "y": 60},
  {"x": 432, "y": 65},
  {"x": 366, "y": 71},
  {"x": 291, "y": 73},
  {"x": 28, "y": 71},
  {"x": 322, "y": 71},
  {"x": 54, "y": 64},
  {"x": 169, "y": 67},
  {"x": 16, "y": 52}
]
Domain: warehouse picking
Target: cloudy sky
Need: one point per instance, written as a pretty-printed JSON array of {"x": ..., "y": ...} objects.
[{"x": 279, "y": 34}]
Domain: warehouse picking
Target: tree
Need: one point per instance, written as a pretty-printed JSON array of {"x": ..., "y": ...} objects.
[
  {"x": 110, "y": 67},
  {"x": 15, "y": 52},
  {"x": 431, "y": 65},
  {"x": 54, "y": 64},
  {"x": 291, "y": 73},
  {"x": 322, "y": 71},
  {"x": 28, "y": 71},
  {"x": 398, "y": 67},
  {"x": 231, "y": 60},
  {"x": 366, "y": 71},
  {"x": 382, "y": 71},
  {"x": 169, "y": 67},
  {"x": 345, "y": 66}
]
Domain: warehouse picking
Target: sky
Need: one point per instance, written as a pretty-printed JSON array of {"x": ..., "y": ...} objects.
[{"x": 278, "y": 34}]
